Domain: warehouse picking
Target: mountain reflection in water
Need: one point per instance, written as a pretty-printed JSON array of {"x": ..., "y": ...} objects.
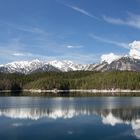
[{"x": 111, "y": 110}]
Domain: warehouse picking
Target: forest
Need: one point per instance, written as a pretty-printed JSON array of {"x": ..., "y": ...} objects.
[{"x": 71, "y": 80}]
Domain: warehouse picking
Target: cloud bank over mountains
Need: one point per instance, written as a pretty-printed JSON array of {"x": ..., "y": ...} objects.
[
  {"x": 135, "y": 49},
  {"x": 109, "y": 57},
  {"x": 134, "y": 52}
]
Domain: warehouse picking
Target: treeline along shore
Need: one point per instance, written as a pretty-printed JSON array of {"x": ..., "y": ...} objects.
[{"x": 68, "y": 81}]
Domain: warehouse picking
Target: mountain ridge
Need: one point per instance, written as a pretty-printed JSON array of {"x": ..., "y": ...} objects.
[{"x": 125, "y": 63}]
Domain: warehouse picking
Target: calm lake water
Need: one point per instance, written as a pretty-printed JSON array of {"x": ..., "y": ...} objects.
[{"x": 69, "y": 118}]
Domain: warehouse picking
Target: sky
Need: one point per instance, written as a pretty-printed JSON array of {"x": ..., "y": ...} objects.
[{"x": 83, "y": 31}]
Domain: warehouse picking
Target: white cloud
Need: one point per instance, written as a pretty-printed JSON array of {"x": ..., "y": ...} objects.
[
  {"x": 69, "y": 46},
  {"x": 114, "y": 20},
  {"x": 24, "y": 28},
  {"x": 135, "y": 49},
  {"x": 132, "y": 20},
  {"x": 72, "y": 47},
  {"x": 109, "y": 57},
  {"x": 80, "y": 10},
  {"x": 134, "y": 52},
  {"x": 14, "y": 47},
  {"x": 35, "y": 30},
  {"x": 22, "y": 54},
  {"x": 116, "y": 43},
  {"x": 18, "y": 54}
]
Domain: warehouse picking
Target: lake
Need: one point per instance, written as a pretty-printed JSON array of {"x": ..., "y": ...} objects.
[{"x": 69, "y": 118}]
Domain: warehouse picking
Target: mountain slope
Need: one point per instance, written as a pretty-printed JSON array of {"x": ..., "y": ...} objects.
[
  {"x": 66, "y": 65},
  {"x": 26, "y": 67},
  {"x": 125, "y": 63}
]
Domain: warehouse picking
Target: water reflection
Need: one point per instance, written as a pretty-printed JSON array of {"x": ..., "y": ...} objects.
[{"x": 111, "y": 111}]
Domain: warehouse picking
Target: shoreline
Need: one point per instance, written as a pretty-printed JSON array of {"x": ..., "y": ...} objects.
[
  {"x": 74, "y": 90},
  {"x": 84, "y": 91}
]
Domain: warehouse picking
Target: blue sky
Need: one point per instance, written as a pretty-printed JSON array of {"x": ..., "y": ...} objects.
[{"x": 77, "y": 30}]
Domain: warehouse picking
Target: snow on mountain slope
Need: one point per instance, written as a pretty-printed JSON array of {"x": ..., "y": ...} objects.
[
  {"x": 66, "y": 65},
  {"x": 125, "y": 63},
  {"x": 25, "y": 67},
  {"x": 36, "y": 65},
  {"x": 109, "y": 58}
]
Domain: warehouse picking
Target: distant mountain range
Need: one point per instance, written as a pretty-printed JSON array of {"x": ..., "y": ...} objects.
[{"x": 27, "y": 67}]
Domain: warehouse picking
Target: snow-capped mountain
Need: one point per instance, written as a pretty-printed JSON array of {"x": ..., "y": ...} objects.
[
  {"x": 36, "y": 65},
  {"x": 123, "y": 63},
  {"x": 66, "y": 65},
  {"x": 96, "y": 67},
  {"x": 26, "y": 67}
]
